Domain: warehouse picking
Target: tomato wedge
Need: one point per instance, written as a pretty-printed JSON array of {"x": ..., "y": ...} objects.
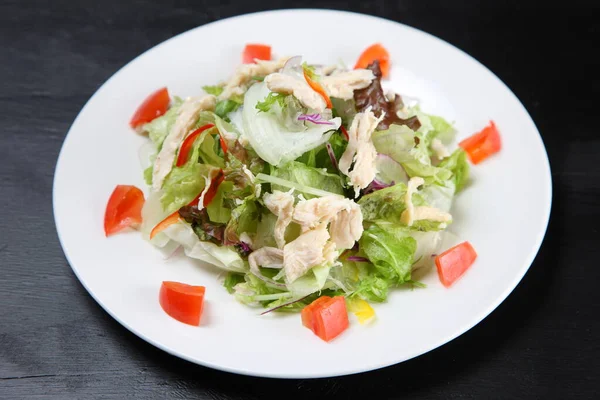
[
  {"x": 372, "y": 53},
  {"x": 256, "y": 51},
  {"x": 307, "y": 313},
  {"x": 124, "y": 209},
  {"x": 182, "y": 301},
  {"x": 453, "y": 263},
  {"x": 316, "y": 86},
  {"x": 208, "y": 197},
  {"x": 326, "y": 317},
  {"x": 483, "y": 144},
  {"x": 154, "y": 106},
  {"x": 186, "y": 146}
]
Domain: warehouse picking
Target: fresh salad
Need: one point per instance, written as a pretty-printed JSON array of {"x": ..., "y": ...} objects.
[{"x": 316, "y": 189}]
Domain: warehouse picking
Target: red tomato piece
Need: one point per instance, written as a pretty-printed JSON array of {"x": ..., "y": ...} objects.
[
  {"x": 483, "y": 144},
  {"x": 182, "y": 302},
  {"x": 307, "y": 312},
  {"x": 124, "y": 209},
  {"x": 326, "y": 317},
  {"x": 331, "y": 319},
  {"x": 256, "y": 51},
  {"x": 154, "y": 106},
  {"x": 186, "y": 146},
  {"x": 453, "y": 263},
  {"x": 372, "y": 53}
]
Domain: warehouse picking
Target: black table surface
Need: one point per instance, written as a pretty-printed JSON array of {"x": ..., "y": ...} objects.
[{"x": 56, "y": 342}]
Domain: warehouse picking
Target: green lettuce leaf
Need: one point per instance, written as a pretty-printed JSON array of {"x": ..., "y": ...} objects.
[
  {"x": 427, "y": 171},
  {"x": 373, "y": 288},
  {"x": 215, "y": 90},
  {"x": 304, "y": 175},
  {"x": 272, "y": 99},
  {"x": 232, "y": 279},
  {"x": 218, "y": 209},
  {"x": 458, "y": 165},
  {"x": 224, "y": 107},
  {"x": 159, "y": 128},
  {"x": 392, "y": 255}
]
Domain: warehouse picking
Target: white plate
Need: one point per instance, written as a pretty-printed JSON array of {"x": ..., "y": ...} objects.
[{"x": 504, "y": 212}]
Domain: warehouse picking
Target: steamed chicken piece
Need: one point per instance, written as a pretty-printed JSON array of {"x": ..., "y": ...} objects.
[
  {"x": 297, "y": 86},
  {"x": 361, "y": 151},
  {"x": 412, "y": 213},
  {"x": 310, "y": 213},
  {"x": 188, "y": 115},
  {"x": 244, "y": 74},
  {"x": 282, "y": 205},
  {"x": 306, "y": 251},
  {"x": 439, "y": 149},
  {"x": 343, "y": 84},
  {"x": 347, "y": 228},
  {"x": 267, "y": 257}
]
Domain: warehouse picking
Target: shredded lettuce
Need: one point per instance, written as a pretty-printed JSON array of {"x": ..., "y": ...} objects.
[
  {"x": 215, "y": 90},
  {"x": 159, "y": 128},
  {"x": 458, "y": 165},
  {"x": 271, "y": 140},
  {"x": 306, "y": 176},
  {"x": 392, "y": 255}
]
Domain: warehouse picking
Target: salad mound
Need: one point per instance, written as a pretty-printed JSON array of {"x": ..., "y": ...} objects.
[{"x": 302, "y": 181}]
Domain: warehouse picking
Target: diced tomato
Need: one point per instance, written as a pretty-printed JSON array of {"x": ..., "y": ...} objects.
[
  {"x": 186, "y": 146},
  {"x": 307, "y": 312},
  {"x": 326, "y": 317},
  {"x": 483, "y": 144},
  {"x": 316, "y": 86},
  {"x": 372, "y": 53},
  {"x": 124, "y": 209},
  {"x": 182, "y": 302},
  {"x": 154, "y": 106},
  {"x": 453, "y": 263},
  {"x": 256, "y": 51},
  {"x": 208, "y": 197}
]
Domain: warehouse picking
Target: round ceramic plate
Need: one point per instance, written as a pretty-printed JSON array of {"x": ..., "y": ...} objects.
[{"x": 503, "y": 212}]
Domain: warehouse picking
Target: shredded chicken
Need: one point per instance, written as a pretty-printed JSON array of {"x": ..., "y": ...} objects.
[
  {"x": 440, "y": 150},
  {"x": 346, "y": 228},
  {"x": 243, "y": 77},
  {"x": 267, "y": 257},
  {"x": 344, "y": 214},
  {"x": 282, "y": 205},
  {"x": 305, "y": 252},
  {"x": 188, "y": 114},
  {"x": 361, "y": 151},
  {"x": 408, "y": 215},
  {"x": 207, "y": 181},
  {"x": 412, "y": 213},
  {"x": 287, "y": 84},
  {"x": 431, "y": 213},
  {"x": 343, "y": 84}
]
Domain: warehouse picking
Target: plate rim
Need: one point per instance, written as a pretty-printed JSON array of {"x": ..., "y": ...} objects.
[{"x": 475, "y": 320}]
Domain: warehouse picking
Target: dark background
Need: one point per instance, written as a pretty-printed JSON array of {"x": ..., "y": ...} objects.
[{"x": 56, "y": 342}]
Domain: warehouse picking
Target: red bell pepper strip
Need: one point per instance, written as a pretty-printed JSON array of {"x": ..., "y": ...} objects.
[
  {"x": 256, "y": 51},
  {"x": 208, "y": 197},
  {"x": 483, "y": 144},
  {"x": 316, "y": 86},
  {"x": 345, "y": 132},
  {"x": 153, "y": 106},
  {"x": 326, "y": 317},
  {"x": 186, "y": 146},
  {"x": 453, "y": 263},
  {"x": 124, "y": 209},
  {"x": 372, "y": 53},
  {"x": 182, "y": 302}
]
